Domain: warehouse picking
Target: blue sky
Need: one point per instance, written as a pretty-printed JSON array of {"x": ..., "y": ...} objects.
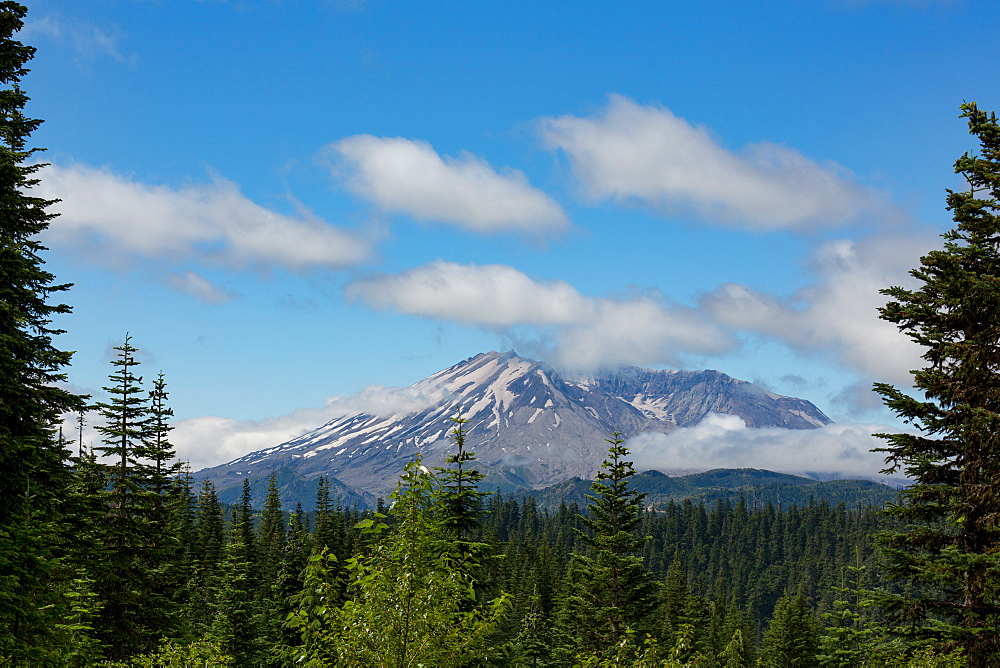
[{"x": 286, "y": 203}]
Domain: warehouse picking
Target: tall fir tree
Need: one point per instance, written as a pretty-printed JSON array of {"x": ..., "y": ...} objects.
[
  {"x": 271, "y": 543},
  {"x": 124, "y": 429},
  {"x": 33, "y": 469},
  {"x": 460, "y": 503},
  {"x": 461, "y": 499},
  {"x": 951, "y": 549},
  {"x": 607, "y": 591},
  {"x": 162, "y": 467},
  {"x": 206, "y": 557},
  {"x": 270, "y": 538},
  {"x": 136, "y": 609},
  {"x": 235, "y": 608},
  {"x": 792, "y": 637}
]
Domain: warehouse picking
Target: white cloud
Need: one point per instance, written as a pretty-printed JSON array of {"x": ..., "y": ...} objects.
[
  {"x": 199, "y": 287},
  {"x": 489, "y": 295},
  {"x": 724, "y": 441},
  {"x": 89, "y": 41},
  {"x": 210, "y": 440},
  {"x": 118, "y": 218},
  {"x": 409, "y": 177},
  {"x": 837, "y": 314},
  {"x": 630, "y": 152},
  {"x": 584, "y": 333}
]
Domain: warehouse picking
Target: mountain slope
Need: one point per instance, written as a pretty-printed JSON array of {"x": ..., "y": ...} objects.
[{"x": 529, "y": 427}]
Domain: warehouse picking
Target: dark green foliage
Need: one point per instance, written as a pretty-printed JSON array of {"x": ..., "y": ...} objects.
[
  {"x": 235, "y": 607},
  {"x": 607, "y": 590},
  {"x": 33, "y": 469},
  {"x": 125, "y": 427},
  {"x": 206, "y": 558},
  {"x": 156, "y": 450},
  {"x": 792, "y": 637},
  {"x": 460, "y": 505},
  {"x": 271, "y": 537},
  {"x": 137, "y": 550},
  {"x": 951, "y": 548},
  {"x": 461, "y": 499},
  {"x": 757, "y": 487},
  {"x": 847, "y": 640},
  {"x": 406, "y": 598}
]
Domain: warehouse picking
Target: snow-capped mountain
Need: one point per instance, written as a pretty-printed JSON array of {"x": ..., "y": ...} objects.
[{"x": 529, "y": 426}]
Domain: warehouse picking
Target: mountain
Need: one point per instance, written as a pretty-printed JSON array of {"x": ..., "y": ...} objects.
[
  {"x": 529, "y": 426},
  {"x": 295, "y": 488}
]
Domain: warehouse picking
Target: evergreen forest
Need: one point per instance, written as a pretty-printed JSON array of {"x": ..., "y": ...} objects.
[{"x": 118, "y": 556}]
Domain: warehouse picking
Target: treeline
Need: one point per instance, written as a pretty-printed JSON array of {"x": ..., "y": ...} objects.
[
  {"x": 156, "y": 569},
  {"x": 116, "y": 557},
  {"x": 156, "y": 558},
  {"x": 725, "y": 553}
]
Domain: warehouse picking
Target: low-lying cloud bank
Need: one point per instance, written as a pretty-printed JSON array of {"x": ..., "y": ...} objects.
[
  {"x": 210, "y": 440},
  {"x": 724, "y": 441}
]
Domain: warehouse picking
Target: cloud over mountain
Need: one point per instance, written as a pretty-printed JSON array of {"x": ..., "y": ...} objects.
[
  {"x": 724, "y": 441},
  {"x": 837, "y": 313},
  {"x": 585, "y": 333}
]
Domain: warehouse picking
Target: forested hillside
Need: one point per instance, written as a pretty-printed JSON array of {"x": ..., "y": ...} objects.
[{"x": 114, "y": 556}]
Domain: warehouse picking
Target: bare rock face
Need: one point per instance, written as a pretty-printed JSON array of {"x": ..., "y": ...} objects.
[
  {"x": 528, "y": 426},
  {"x": 685, "y": 397}
]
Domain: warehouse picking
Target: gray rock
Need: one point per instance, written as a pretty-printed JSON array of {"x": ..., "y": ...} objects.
[{"x": 529, "y": 426}]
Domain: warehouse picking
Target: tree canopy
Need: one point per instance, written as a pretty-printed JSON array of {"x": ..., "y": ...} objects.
[{"x": 951, "y": 548}]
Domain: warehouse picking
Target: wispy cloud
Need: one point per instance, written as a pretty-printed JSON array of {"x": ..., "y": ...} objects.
[
  {"x": 409, "y": 177},
  {"x": 120, "y": 219},
  {"x": 834, "y": 318},
  {"x": 584, "y": 333},
  {"x": 724, "y": 441},
  {"x": 88, "y": 41},
  {"x": 634, "y": 153},
  {"x": 837, "y": 314},
  {"x": 199, "y": 287}
]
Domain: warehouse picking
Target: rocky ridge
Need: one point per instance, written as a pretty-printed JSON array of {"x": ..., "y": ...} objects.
[{"x": 529, "y": 426}]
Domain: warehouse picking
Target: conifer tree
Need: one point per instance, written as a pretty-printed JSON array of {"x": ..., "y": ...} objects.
[
  {"x": 270, "y": 538},
  {"x": 290, "y": 582},
  {"x": 181, "y": 505},
  {"x": 460, "y": 495},
  {"x": 406, "y": 597},
  {"x": 608, "y": 590},
  {"x": 951, "y": 549},
  {"x": 156, "y": 447},
  {"x": 236, "y": 618},
  {"x": 207, "y": 554},
  {"x": 792, "y": 637},
  {"x": 674, "y": 597},
  {"x": 244, "y": 523},
  {"x": 460, "y": 503},
  {"x": 135, "y": 611},
  {"x": 271, "y": 541},
  {"x": 323, "y": 527},
  {"x": 33, "y": 467}
]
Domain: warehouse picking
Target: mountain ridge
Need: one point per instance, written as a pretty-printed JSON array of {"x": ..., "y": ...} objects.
[{"x": 529, "y": 426}]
